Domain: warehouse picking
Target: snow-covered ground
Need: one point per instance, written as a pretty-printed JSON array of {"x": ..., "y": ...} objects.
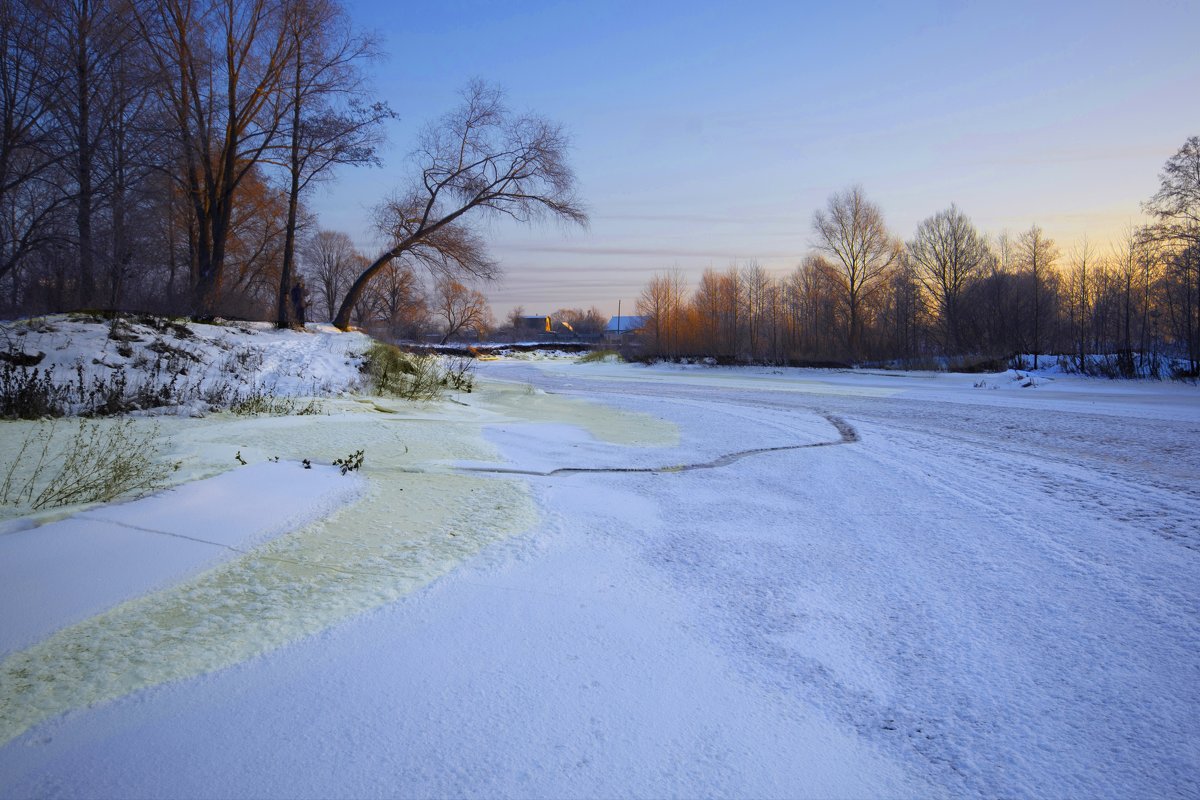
[
  {"x": 608, "y": 579},
  {"x": 196, "y": 367}
]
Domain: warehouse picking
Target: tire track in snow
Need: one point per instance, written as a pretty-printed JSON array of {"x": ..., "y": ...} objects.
[
  {"x": 1132, "y": 487},
  {"x": 1139, "y": 499}
]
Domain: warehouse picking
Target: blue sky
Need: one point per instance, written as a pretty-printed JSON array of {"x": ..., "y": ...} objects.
[{"x": 705, "y": 133}]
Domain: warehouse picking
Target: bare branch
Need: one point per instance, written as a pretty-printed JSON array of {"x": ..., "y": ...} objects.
[{"x": 478, "y": 160}]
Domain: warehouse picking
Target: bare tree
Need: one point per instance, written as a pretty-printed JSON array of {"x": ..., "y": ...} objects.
[
  {"x": 403, "y": 308},
  {"x": 225, "y": 60},
  {"x": 946, "y": 253},
  {"x": 130, "y": 162},
  {"x": 1176, "y": 210},
  {"x": 368, "y": 309},
  {"x": 30, "y": 196},
  {"x": 84, "y": 39},
  {"x": 330, "y": 122},
  {"x": 479, "y": 159},
  {"x": 812, "y": 307},
  {"x": 1134, "y": 266},
  {"x": 1037, "y": 255},
  {"x": 1082, "y": 299},
  {"x": 852, "y": 231},
  {"x": 255, "y": 248},
  {"x": 461, "y": 308},
  {"x": 513, "y": 321},
  {"x": 662, "y": 302},
  {"x": 329, "y": 260},
  {"x": 758, "y": 283},
  {"x": 1176, "y": 204},
  {"x": 1126, "y": 258},
  {"x": 582, "y": 323},
  {"x": 102, "y": 111},
  {"x": 907, "y": 312},
  {"x": 706, "y": 302},
  {"x": 1001, "y": 311}
]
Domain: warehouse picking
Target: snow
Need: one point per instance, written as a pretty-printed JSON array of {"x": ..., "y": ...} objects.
[
  {"x": 228, "y": 360},
  {"x": 117, "y": 552},
  {"x": 526, "y": 683},
  {"x": 913, "y": 584}
]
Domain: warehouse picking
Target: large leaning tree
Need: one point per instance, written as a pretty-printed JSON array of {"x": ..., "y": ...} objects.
[{"x": 479, "y": 160}]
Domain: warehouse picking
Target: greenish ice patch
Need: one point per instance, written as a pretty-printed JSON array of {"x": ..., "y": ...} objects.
[{"x": 604, "y": 422}]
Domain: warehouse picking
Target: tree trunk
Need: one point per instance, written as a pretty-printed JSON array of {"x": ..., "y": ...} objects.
[
  {"x": 342, "y": 320},
  {"x": 283, "y": 315},
  {"x": 83, "y": 144}
]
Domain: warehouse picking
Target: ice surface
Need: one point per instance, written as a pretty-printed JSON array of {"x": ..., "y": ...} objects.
[
  {"x": 984, "y": 592},
  {"x": 416, "y": 519},
  {"x": 109, "y": 554}
]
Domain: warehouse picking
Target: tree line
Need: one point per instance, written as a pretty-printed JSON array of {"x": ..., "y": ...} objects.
[
  {"x": 157, "y": 154},
  {"x": 952, "y": 295}
]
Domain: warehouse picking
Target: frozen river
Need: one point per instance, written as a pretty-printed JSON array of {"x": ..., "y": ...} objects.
[{"x": 750, "y": 583}]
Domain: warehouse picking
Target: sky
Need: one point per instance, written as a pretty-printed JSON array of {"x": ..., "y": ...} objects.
[{"x": 707, "y": 133}]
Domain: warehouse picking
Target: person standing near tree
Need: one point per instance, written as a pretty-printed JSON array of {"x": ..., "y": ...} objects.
[{"x": 299, "y": 302}]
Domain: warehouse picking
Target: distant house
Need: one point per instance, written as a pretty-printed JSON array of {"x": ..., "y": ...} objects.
[
  {"x": 534, "y": 325},
  {"x": 541, "y": 328},
  {"x": 620, "y": 328}
]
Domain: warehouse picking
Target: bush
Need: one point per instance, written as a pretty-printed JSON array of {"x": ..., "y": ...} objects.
[
  {"x": 30, "y": 393},
  {"x": 98, "y": 463},
  {"x": 600, "y": 355},
  {"x": 261, "y": 402},
  {"x": 408, "y": 375},
  {"x": 1184, "y": 371},
  {"x": 351, "y": 463},
  {"x": 458, "y": 372},
  {"x": 978, "y": 364}
]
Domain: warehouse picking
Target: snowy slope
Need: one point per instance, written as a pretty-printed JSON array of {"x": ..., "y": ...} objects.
[{"x": 204, "y": 365}]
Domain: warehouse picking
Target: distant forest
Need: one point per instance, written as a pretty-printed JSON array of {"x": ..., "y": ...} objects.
[{"x": 950, "y": 297}]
